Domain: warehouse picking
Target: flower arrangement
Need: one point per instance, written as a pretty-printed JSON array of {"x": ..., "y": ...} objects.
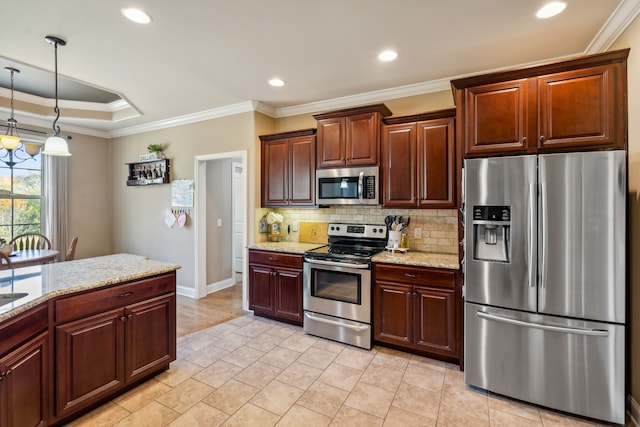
[{"x": 273, "y": 217}]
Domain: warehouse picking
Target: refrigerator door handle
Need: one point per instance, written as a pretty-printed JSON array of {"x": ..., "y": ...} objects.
[
  {"x": 545, "y": 234},
  {"x": 532, "y": 236},
  {"x": 577, "y": 331}
]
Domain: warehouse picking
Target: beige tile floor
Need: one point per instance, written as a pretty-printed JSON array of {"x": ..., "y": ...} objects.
[{"x": 251, "y": 371}]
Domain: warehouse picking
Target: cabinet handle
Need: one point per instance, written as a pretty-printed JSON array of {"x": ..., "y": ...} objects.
[
  {"x": 129, "y": 316},
  {"x": 411, "y": 275},
  {"x": 415, "y": 294},
  {"x": 541, "y": 138},
  {"x": 126, "y": 294},
  {"x": 7, "y": 373},
  {"x": 1, "y": 377},
  {"x": 524, "y": 139},
  {"x": 122, "y": 318},
  {"x": 273, "y": 259}
]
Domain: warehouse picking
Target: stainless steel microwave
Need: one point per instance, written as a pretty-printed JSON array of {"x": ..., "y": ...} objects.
[{"x": 348, "y": 186}]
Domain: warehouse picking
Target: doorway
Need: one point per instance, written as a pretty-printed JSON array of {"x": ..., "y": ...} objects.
[{"x": 220, "y": 221}]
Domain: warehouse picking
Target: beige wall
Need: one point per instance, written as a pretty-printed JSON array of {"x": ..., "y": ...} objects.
[
  {"x": 138, "y": 211},
  {"x": 631, "y": 38},
  {"x": 90, "y": 196}
]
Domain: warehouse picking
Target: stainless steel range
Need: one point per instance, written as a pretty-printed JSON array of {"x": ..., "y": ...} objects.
[{"x": 337, "y": 283}]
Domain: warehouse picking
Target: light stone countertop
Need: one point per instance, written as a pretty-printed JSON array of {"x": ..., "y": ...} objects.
[
  {"x": 420, "y": 259},
  {"x": 47, "y": 281},
  {"x": 286, "y": 247}
]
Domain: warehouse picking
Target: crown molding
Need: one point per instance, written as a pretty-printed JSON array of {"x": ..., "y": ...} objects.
[
  {"x": 619, "y": 20},
  {"x": 229, "y": 110},
  {"x": 365, "y": 98}
]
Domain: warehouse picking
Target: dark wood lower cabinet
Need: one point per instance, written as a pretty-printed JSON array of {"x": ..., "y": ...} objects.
[
  {"x": 418, "y": 309},
  {"x": 275, "y": 285},
  {"x": 24, "y": 384},
  {"x": 105, "y": 347}
]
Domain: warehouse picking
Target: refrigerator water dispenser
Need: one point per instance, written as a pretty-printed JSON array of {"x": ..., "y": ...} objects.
[{"x": 491, "y": 233}]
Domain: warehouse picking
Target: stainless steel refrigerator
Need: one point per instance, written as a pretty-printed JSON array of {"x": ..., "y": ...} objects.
[{"x": 545, "y": 259}]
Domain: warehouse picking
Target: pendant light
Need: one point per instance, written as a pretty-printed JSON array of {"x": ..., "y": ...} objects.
[
  {"x": 56, "y": 145},
  {"x": 11, "y": 140}
]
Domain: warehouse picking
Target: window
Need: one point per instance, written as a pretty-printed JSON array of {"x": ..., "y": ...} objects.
[{"x": 20, "y": 195}]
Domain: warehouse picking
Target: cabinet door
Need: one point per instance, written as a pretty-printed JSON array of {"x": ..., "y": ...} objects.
[
  {"x": 499, "y": 117},
  {"x": 362, "y": 139},
  {"x": 399, "y": 165},
  {"x": 582, "y": 108},
  {"x": 89, "y": 360},
  {"x": 24, "y": 384},
  {"x": 331, "y": 142},
  {"x": 393, "y": 313},
  {"x": 288, "y": 295},
  {"x": 436, "y": 163},
  {"x": 275, "y": 173},
  {"x": 150, "y": 336},
  {"x": 302, "y": 171},
  {"x": 435, "y": 320},
  {"x": 260, "y": 289}
]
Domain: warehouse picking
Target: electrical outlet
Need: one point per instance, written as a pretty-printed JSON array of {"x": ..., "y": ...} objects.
[
  {"x": 294, "y": 227},
  {"x": 219, "y": 222},
  {"x": 417, "y": 233}
]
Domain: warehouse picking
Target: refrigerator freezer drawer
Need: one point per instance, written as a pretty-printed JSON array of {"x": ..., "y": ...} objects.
[{"x": 570, "y": 365}]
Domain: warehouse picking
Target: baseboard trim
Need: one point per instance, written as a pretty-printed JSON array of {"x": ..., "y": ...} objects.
[
  {"x": 187, "y": 292},
  {"x": 633, "y": 410},
  {"x": 218, "y": 286}
]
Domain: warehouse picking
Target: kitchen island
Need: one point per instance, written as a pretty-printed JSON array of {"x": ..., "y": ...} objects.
[{"x": 79, "y": 333}]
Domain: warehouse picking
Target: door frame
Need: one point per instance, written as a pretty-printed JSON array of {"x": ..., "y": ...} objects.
[{"x": 200, "y": 226}]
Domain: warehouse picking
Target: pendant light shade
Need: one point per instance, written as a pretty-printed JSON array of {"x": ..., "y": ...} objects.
[{"x": 56, "y": 145}]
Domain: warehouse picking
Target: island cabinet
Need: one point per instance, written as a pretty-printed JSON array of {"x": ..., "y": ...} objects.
[
  {"x": 24, "y": 369},
  {"x": 110, "y": 338},
  {"x": 350, "y": 137},
  {"x": 572, "y": 105},
  {"x": 275, "y": 285},
  {"x": 419, "y": 161},
  {"x": 288, "y": 168},
  {"x": 418, "y": 309}
]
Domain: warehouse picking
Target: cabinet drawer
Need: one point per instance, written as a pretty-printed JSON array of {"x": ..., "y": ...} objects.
[
  {"x": 275, "y": 259},
  {"x": 22, "y": 327},
  {"x": 416, "y": 275},
  {"x": 118, "y": 296}
]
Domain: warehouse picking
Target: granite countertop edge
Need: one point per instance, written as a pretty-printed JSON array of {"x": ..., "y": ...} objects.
[
  {"x": 59, "y": 271},
  {"x": 416, "y": 258}
]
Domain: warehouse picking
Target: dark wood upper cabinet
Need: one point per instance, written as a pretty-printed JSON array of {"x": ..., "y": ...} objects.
[
  {"x": 570, "y": 105},
  {"x": 419, "y": 160},
  {"x": 350, "y": 137},
  {"x": 288, "y": 168}
]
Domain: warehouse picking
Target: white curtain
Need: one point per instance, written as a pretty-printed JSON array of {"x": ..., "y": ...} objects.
[{"x": 54, "y": 218}]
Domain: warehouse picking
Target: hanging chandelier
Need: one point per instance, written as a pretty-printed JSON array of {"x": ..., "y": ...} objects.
[
  {"x": 56, "y": 145},
  {"x": 12, "y": 149}
]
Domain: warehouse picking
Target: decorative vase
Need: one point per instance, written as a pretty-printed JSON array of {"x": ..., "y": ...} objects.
[
  {"x": 275, "y": 232},
  {"x": 6, "y": 248}
]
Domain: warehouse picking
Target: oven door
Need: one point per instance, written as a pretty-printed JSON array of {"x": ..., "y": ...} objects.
[{"x": 338, "y": 289}]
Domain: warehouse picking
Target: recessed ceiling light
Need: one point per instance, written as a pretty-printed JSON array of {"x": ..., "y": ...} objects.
[
  {"x": 276, "y": 82},
  {"x": 551, "y": 9},
  {"x": 136, "y": 15},
  {"x": 388, "y": 55}
]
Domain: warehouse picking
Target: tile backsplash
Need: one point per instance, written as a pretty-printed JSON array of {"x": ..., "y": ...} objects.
[{"x": 430, "y": 230}]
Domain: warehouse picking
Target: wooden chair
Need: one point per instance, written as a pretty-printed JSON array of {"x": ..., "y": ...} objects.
[
  {"x": 30, "y": 241},
  {"x": 6, "y": 264},
  {"x": 71, "y": 252}
]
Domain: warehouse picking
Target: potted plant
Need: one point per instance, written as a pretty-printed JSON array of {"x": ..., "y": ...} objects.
[{"x": 155, "y": 153}]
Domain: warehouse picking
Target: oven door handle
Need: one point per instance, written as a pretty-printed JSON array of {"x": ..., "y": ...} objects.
[
  {"x": 336, "y": 264},
  {"x": 334, "y": 323}
]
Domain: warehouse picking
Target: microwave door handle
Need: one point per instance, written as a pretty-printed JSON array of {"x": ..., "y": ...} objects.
[{"x": 360, "y": 186}]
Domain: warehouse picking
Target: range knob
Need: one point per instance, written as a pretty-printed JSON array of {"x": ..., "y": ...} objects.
[
  {"x": 382, "y": 231},
  {"x": 337, "y": 228}
]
